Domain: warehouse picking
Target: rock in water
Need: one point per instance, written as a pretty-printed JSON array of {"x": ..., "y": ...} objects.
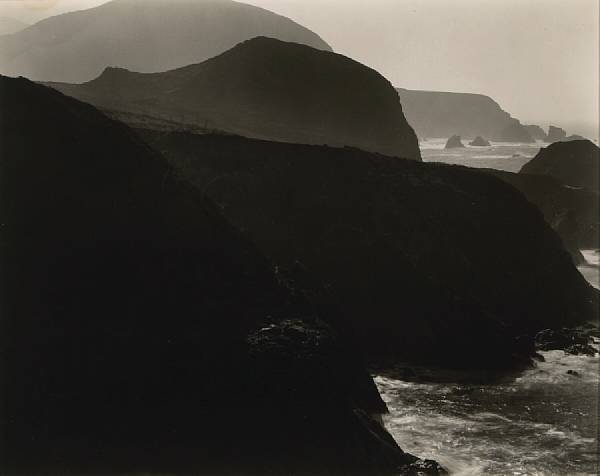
[
  {"x": 141, "y": 332},
  {"x": 575, "y": 163},
  {"x": 429, "y": 262},
  {"x": 515, "y": 132},
  {"x": 479, "y": 142},
  {"x": 76, "y": 47},
  {"x": 575, "y": 341},
  {"x": 454, "y": 143},
  {"x": 267, "y": 89},
  {"x": 536, "y": 132},
  {"x": 555, "y": 134}
]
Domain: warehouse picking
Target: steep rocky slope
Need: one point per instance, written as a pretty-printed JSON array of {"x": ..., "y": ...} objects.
[
  {"x": 575, "y": 163},
  {"x": 431, "y": 263},
  {"x": 140, "y": 332},
  {"x": 141, "y": 35},
  {"x": 573, "y": 213},
  {"x": 267, "y": 89}
]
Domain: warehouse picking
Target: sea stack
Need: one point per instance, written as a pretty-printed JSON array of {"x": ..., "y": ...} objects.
[
  {"x": 515, "y": 132},
  {"x": 454, "y": 142},
  {"x": 536, "y": 132},
  {"x": 555, "y": 134},
  {"x": 479, "y": 142}
]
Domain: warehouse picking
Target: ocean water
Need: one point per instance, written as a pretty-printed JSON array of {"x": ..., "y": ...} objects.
[
  {"x": 542, "y": 422},
  {"x": 545, "y": 422},
  {"x": 591, "y": 268},
  {"x": 506, "y": 156}
]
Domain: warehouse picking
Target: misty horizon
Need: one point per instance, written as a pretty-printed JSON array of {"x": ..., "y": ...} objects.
[{"x": 538, "y": 60}]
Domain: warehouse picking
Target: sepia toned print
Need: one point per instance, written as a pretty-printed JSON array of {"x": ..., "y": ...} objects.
[{"x": 299, "y": 237}]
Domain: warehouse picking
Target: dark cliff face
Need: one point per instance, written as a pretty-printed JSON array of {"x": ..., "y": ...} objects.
[
  {"x": 141, "y": 332},
  {"x": 573, "y": 213},
  {"x": 267, "y": 89},
  {"x": 431, "y": 263},
  {"x": 575, "y": 163},
  {"x": 142, "y": 35},
  {"x": 442, "y": 114}
]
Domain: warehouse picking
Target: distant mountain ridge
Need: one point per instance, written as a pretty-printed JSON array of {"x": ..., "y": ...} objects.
[
  {"x": 266, "y": 89},
  {"x": 141, "y": 35},
  {"x": 444, "y": 114}
]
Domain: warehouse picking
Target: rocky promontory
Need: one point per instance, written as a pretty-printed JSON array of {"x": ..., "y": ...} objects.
[
  {"x": 429, "y": 263},
  {"x": 572, "y": 212},
  {"x": 266, "y": 89},
  {"x": 443, "y": 114},
  {"x": 141, "y": 330},
  {"x": 573, "y": 163}
]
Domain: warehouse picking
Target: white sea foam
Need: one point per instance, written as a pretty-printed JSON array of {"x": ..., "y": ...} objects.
[
  {"x": 543, "y": 423},
  {"x": 591, "y": 268},
  {"x": 592, "y": 257}
]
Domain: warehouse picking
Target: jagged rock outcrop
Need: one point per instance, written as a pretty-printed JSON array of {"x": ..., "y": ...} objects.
[
  {"x": 555, "y": 134},
  {"x": 431, "y": 263},
  {"x": 536, "y": 132},
  {"x": 267, "y": 89},
  {"x": 454, "y": 142},
  {"x": 479, "y": 142},
  {"x": 135, "y": 318},
  {"x": 575, "y": 341},
  {"x": 141, "y": 35},
  {"x": 575, "y": 163},
  {"x": 514, "y": 132},
  {"x": 443, "y": 114}
]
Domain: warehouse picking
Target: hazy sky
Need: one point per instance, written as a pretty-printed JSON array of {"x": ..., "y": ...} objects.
[{"x": 537, "y": 58}]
